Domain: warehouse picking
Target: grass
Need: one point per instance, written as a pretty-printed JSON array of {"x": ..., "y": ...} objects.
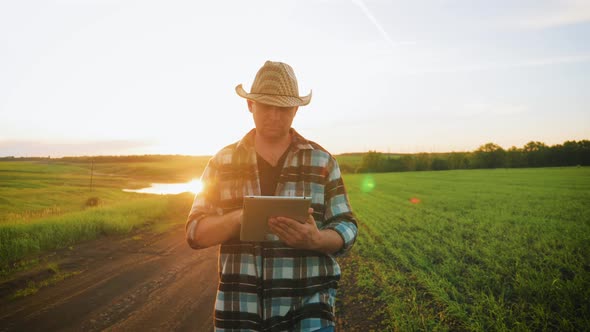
[
  {"x": 505, "y": 249},
  {"x": 45, "y": 205},
  {"x": 350, "y": 161},
  {"x": 181, "y": 170},
  {"x": 34, "y": 190},
  {"x": 33, "y": 286},
  {"x": 31, "y": 190},
  {"x": 20, "y": 240}
]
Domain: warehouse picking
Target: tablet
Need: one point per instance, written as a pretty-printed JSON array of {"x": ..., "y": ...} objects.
[{"x": 257, "y": 210}]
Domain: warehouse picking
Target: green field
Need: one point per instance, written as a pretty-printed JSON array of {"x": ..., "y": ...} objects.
[
  {"x": 51, "y": 204},
  {"x": 479, "y": 250},
  {"x": 504, "y": 249}
]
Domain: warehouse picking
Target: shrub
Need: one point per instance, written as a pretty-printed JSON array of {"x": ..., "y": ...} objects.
[{"x": 93, "y": 201}]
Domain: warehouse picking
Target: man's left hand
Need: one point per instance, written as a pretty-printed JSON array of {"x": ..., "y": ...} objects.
[{"x": 302, "y": 235}]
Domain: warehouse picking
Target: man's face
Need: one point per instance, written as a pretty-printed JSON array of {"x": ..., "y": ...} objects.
[{"x": 272, "y": 122}]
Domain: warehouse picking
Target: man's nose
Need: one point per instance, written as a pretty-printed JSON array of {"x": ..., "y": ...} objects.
[{"x": 275, "y": 112}]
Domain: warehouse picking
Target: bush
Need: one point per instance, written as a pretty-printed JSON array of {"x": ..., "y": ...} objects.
[{"x": 93, "y": 201}]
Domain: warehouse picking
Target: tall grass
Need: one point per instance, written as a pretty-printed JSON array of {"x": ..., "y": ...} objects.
[
  {"x": 482, "y": 250},
  {"x": 18, "y": 240},
  {"x": 44, "y": 204}
]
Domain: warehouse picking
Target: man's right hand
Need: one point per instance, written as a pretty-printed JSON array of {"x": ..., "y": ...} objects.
[
  {"x": 213, "y": 230},
  {"x": 236, "y": 217}
]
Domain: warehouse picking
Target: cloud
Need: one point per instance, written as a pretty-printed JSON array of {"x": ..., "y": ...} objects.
[
  {"x": 373, "y": 20},
  {"x": 559, "y": 13},
  {"x": 361, "y": 4}
]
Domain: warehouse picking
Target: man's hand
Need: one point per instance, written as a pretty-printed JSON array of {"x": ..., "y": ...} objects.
[
  {"x": 215, "y": 229},
  {"x": 296, "y": 234},
  {"x": 305, "y": 235},
  {"x": 237, "y": 217}
]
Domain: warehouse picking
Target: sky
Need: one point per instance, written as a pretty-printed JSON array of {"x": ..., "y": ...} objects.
[{"x": 106, "y": 77}]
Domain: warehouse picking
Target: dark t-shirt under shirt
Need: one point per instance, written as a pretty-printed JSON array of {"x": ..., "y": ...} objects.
[{"x": 269, "y": 175}]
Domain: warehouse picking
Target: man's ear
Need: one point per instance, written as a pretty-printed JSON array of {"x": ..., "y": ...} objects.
[{"x": 250, "y": 104}]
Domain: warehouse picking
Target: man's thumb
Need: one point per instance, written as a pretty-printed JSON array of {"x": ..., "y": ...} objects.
[{"x": 310, "y": 218}]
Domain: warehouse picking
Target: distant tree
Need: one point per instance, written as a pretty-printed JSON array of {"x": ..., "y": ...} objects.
[
  {"x": 409, "y": 163},
  {"x": 458, "y": 160},
  {"x": 557, "y": 156},
  {"x": 490, "y": 155},
  {"x": 536, "y": 154},
  {"x": 569, "y": 153},
  {"x": 346, "y": 168},
  {"x": 439, "y": 164},
  {"x": 584, "y": 152},
  {"x": 372, "y": 162},
  {"x": 394, "y": 165},
  {"x": 575, "y": 153},
  {"x": 515, "y": 158},
  {"x": 423, "y": 162}
]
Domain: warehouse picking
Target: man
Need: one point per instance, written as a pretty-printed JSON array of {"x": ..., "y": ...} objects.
[{"x": 288, "y": 284}]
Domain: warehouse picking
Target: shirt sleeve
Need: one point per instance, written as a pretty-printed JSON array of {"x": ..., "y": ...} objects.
[
  {"x": 204, "y": 203},
  {"x": 338, "y": 215}
]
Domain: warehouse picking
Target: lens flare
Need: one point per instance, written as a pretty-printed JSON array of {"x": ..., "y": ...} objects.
[
  {"x": 368, "y": 184},
  {"x": 414, "y": 200}
]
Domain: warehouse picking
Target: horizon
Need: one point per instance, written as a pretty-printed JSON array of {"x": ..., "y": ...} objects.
[
  {"x": 91, "y": 78},
  {"x": 4, "y": 157},
  {"x": 57, "y": 147}
]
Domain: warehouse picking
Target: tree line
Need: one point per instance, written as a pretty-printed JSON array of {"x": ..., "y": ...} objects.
[{"x": 489, "y": 155}]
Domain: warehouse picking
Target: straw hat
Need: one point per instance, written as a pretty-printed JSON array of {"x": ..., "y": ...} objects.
[{"x": 275, "y": 84}]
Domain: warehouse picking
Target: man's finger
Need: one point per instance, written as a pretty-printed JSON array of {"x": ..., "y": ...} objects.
[
  {"x": 310, "y": 219},
  {"x": 276, "y": 228},
  {"x": 281, "y": 224},
  {"x": 281, "y": 233}
]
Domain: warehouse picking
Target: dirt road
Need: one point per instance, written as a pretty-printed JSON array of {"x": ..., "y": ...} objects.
[
  {"x": 143, "y": 282},
  {"x": 140, "y": 282}
]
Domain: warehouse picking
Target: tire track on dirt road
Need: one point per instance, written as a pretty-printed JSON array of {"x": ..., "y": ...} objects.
[{"x": 148, "y": 282}]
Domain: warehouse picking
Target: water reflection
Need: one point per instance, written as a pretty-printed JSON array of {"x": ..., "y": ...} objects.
[{"x": 194, "y": 186}]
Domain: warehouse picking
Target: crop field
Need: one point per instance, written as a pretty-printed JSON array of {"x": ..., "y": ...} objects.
[
  {"x": 477, "y": 250},
  {"x": 474, "y": 250}
]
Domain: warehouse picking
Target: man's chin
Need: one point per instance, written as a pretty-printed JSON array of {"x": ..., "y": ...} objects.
[{"x": 274, "y": 135}]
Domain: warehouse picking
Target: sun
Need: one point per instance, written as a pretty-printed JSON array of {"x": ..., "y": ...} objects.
[{"x": 194, "y": 186}]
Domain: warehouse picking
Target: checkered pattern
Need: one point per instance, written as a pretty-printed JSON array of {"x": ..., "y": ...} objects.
[{"x": 269, "y": 286}]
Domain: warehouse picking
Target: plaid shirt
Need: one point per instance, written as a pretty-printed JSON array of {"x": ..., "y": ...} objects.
[{"x": 268, "y": 286}]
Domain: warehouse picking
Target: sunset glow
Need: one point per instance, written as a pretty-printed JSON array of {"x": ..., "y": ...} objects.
[{"x": 149, "y": 77}]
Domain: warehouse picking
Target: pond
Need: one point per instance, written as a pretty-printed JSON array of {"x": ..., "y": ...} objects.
[{"x": 193, "y": 186}]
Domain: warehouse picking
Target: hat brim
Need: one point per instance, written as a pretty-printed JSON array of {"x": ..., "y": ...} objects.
[{"x": 275, "y": 100}]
